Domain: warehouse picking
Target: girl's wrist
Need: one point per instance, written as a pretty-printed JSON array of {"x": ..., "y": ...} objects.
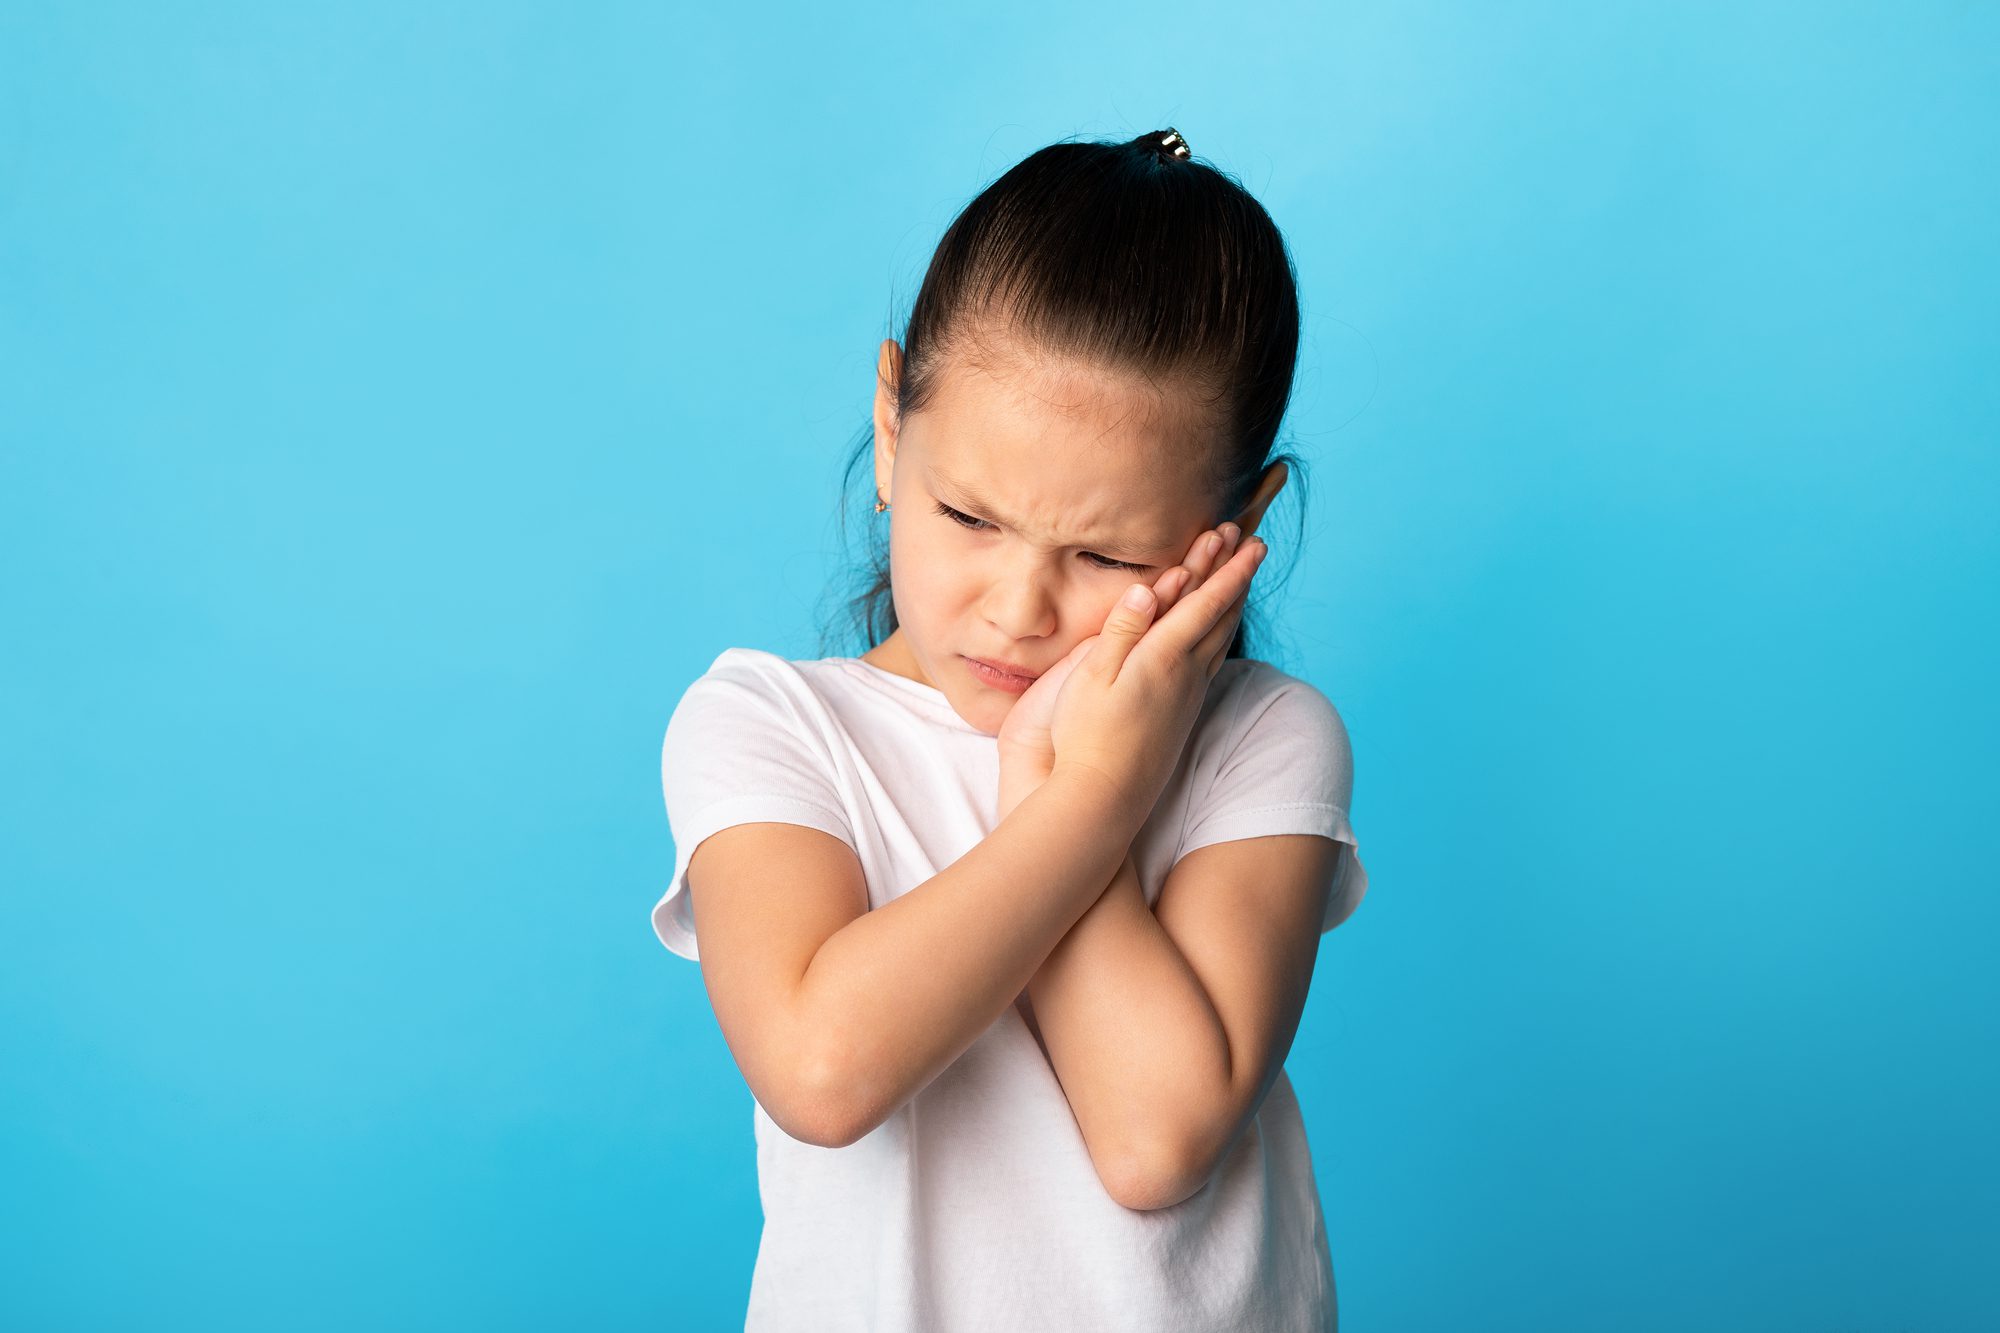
[{"x": 1020, "y": 773}]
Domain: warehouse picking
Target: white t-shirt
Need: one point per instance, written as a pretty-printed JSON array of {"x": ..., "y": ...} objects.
[{"x": 975, "y": 1206}]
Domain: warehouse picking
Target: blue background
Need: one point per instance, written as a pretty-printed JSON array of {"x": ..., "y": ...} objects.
[{"x": 402, "y": 404}]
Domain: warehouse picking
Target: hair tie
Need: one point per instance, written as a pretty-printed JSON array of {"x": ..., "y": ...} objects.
[{"x": 1173, "y": 142}]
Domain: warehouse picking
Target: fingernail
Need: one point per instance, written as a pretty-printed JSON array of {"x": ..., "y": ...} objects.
[{"x": 1135, "y": 596}]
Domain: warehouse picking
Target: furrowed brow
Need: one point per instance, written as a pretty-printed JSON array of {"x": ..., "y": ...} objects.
[{"x": 974, "y": 502}]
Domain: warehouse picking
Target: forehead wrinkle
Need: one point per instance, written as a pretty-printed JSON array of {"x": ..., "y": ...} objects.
[{"x": 976, "y": 499}]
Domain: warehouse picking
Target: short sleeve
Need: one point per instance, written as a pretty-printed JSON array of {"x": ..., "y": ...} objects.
[
  {"x": 1286, "y": 767},
  {"x": 744, "y": 746}
]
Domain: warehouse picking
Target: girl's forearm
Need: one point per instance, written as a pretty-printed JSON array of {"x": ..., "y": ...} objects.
[
  {"x": 1131, "y": 1032},
  {"x": 898, "y": 993},
  {"x": 1136, "y": 1043}
]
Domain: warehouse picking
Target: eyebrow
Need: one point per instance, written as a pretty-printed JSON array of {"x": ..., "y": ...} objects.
[{"x": 971, "y": 499}]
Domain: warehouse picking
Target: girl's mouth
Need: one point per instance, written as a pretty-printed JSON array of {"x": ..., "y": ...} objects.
[{"x": 987, "y": 674}]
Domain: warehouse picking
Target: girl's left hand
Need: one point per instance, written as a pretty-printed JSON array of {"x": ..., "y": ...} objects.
[{"x": 1025, "y": 747}]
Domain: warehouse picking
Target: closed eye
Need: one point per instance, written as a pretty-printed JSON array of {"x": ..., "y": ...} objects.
[{"x": 980, "y": 524}]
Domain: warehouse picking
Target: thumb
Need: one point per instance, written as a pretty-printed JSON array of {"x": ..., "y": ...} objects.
[{"x": 1127, "y": 622}]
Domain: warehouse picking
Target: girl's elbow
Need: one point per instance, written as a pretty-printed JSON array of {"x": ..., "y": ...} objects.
[
  {"x": 813, "y": 1110},
  {"x": 832, "y": 1108},
  {"x": 1143, "y": 1182}
]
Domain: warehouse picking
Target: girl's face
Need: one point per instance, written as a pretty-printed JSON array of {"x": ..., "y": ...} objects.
[{"x": 1024, "y": 500}]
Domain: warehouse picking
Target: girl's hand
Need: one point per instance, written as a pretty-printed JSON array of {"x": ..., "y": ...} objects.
[
  {"x": 1125, "y": 710},
  {"x": 1027, "y": 752},
  {"x": 1024, "y": 733}
]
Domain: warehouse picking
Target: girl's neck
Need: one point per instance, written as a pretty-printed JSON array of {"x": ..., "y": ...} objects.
[{"x": 893, "y": 655}]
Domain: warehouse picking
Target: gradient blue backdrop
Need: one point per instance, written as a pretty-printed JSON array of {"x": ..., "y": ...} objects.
[{"x": 403, "y": 403}]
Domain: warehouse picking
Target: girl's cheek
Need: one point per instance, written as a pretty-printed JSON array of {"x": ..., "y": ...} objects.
[{"x": 933, "y": 582}]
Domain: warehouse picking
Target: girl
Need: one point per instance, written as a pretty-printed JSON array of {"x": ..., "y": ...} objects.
[{"x": 1008, "y": 922}]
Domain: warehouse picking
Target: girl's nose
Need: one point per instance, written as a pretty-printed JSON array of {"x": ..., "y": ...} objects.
[{"x": 1022, "y": 606}]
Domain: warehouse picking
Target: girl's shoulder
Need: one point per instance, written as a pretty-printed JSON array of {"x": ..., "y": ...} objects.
[
  {"x": 1255, "y": 675},
  {"x": 760, "y": 668},
  {"x": 758, "y": 663},
  {"x": 848, "y": 690},
  {"x": 743, "y": 681},
  {"x": 812, "y": 691},
  {"x": 1249, "y": 681},
  {"x": 1256, "y": 704},
  {"x": 748, "y": 662}
]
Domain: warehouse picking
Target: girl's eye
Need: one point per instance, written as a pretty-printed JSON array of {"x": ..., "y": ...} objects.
[
  {"x": 963, "y": 520},
  {"x": 979, "y": 524}
]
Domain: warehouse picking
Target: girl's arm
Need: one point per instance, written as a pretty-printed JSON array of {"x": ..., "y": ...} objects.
[
  {"x": 898, "y": 993},
  {"x": 1166, "y": 1053},
  {"x": 1131, "y": 1032},
  {"x": 1135, "y": 1042}
]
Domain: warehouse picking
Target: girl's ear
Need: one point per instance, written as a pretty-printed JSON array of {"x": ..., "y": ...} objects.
[
  {"x": 888, "y": 378},
  {"x": 1274, "y": 480}
]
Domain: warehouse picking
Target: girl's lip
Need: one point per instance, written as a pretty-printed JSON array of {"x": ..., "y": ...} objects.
[{"x": 1004, "y": 668}]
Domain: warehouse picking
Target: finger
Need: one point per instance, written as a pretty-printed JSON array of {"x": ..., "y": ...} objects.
[
  {"x": 1209, "y": 550},
  {"x": 1214, "y": 645},
  {"x": 1216, "y": 640},
  {"x": 1128, "y": 620},
  {"x": 1213, "y": 648},
  {"x": 1201, "y": 558},
  {"x": 1189, "y": 620},
  {"x": 1170, "y": 587}
]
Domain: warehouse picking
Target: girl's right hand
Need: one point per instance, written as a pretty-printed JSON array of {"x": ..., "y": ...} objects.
[{"x": 1127, "y": 708}]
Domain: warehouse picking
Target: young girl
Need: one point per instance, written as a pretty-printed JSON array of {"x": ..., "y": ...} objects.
[{"x": 1008, "y": 922}]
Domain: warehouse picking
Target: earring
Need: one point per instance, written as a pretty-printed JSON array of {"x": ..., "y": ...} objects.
[{"x": 880, "y": 506}]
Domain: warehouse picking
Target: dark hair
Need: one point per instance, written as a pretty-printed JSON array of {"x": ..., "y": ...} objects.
[{"x": 1124, "y": 256}]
